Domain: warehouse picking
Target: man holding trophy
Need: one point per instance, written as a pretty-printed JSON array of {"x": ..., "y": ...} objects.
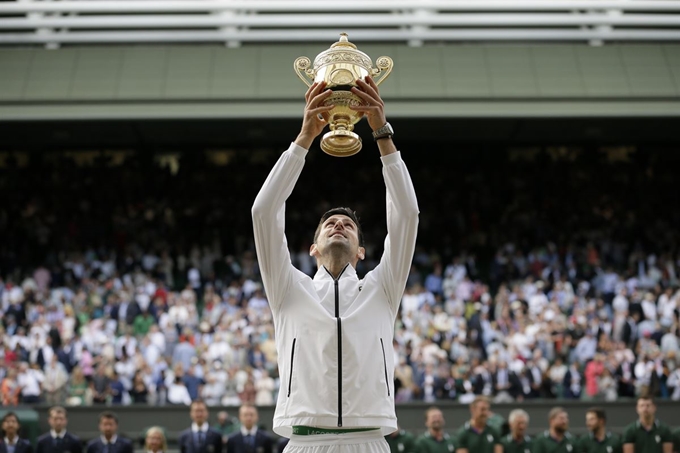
[{"x": 334, "y": 331}]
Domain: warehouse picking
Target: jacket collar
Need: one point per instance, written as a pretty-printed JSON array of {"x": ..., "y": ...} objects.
[{"x": 322, "y": 273}]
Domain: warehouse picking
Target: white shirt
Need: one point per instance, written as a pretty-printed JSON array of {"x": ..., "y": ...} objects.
[
  {"x": 113, "y": 440},
  {"x": 252, "y": 431},
  {"x": 178, "y": 394},
  {"x": 54, "y": 434},
  {"x": 203, "y": 428}
]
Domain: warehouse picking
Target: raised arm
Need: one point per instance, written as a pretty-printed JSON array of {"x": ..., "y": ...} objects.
[
  {"x": 402, "y": 205},
  {"x": 269, "y": 207}
]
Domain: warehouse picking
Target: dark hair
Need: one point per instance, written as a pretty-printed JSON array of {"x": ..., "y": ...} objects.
[
  {"x": 599, "y": 413},
  {"x": 109, "y": 415},
  {"x": 341, "y": 211},
  {"x": 8, "y": 415},
  {"x": 5, "y": 417},
  {"x": 199, "y": 402}
]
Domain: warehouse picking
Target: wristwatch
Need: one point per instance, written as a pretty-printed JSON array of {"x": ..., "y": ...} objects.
[{"x": 383, "y": 132}]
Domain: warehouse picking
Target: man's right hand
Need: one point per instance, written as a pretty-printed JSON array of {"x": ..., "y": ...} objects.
[{"x": 314, "y": 119}]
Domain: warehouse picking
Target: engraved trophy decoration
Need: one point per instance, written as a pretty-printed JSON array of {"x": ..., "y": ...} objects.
[{"x": 340, "y": 66}]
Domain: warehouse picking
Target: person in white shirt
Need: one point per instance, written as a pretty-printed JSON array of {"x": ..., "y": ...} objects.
[
  {"x": 178, "y": 392},
  {"x": 334, "y": 331},
  {"x": 30, "y": 380}
]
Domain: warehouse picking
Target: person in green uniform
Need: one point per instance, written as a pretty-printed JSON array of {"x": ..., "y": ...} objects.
[
  {"x": 476, "y": 436},
  {"x": 676, "y": 440},
  {"x": 517, "y": 441},
  {"x": 435, "y": 440},
  {"x": 401, "y": 441},
  {"x": 598, "y": 439},
  {"x": 647, "y": 434},
  {"x": 557, "y": 439}
]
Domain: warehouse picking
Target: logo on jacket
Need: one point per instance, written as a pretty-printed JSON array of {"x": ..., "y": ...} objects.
[
  {"x": 400, "y": 446},
  {"x": 489, "y": 438},
  {"x": 658, "y": 439},
  {"x": 569, "y": 448}
]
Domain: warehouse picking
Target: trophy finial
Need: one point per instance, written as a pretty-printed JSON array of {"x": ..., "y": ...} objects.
[{"x": 344, "y": 42}]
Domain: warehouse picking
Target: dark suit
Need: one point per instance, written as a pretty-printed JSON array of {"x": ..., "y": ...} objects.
[
  {"x": 121, "y": 445},
  {"x": 188, "y": 442},
  {"x": 22, "y": 446},
  {"x": 69, "y": 444},
  {"x": 263, "y": 443}
]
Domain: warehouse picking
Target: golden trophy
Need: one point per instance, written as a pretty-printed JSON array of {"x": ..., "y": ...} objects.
[{"x": 340, "y": 66}]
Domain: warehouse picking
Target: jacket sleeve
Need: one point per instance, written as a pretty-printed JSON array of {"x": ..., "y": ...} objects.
[
  {"x": 268, "y": 214},
  {"x": 402, "y": 228}
]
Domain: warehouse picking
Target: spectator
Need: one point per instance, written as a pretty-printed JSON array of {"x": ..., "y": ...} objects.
[
  {"x": 199, "y": 438},
  {"x": 155, "y": 441},
  {"x": 249, "y": 438},
  {"x": 10, "y": 441},
  {"x": 10, "y": 389},
  {"x": 79, "y": 391},
  {"x": 109, "y": 441},
  {"x": 58, "y": 440},
  {"x": 178, "y": 392},
  {"x": 225, "y": 425}
]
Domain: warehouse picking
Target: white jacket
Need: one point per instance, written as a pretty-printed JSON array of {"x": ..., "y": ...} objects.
[{"x": 334, "y": 337}]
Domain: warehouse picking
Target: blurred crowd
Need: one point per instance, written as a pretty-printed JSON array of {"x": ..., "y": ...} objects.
[{"x": 533, "y": 278}]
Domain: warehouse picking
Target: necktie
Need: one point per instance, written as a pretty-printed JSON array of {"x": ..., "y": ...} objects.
[
  {"x": 201, "y": 435},
  {"x": 107, "y": 447},
  {"x": 59, "y": 441},
  {"x": 250, "y": 442}
]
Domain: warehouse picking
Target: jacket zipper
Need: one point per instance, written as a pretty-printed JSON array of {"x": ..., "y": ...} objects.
[
  {"x": 387, "y": 382},
  {"x": 292, "y": 357},
  {"x": 336, "y": 285}
]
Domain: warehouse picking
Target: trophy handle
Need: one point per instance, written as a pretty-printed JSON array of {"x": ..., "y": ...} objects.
[
  {"x": 383, "y": 69},
  {"x": 303, "y": 68}
]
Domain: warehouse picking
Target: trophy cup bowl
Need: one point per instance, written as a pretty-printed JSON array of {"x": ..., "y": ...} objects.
[{"x": 340, "y": 67}]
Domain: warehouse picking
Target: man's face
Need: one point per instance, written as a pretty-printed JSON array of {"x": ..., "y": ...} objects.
[
  {"x": 57, "y": 421},
  {"x": 480, "y": 412},
  {"x": 519, "y": 426},
  {"x": 435, "y": 420},
  {"x": 108, "y": 427},
  {"x": 198, "y": 413},
  {"x": 646, "y": 409},
  {"x": 247, "y": 416},
  {"x": 10, "y": 425},
  {"x": 592, "y": 422},
  {"x": 338, "y": 232},
  {"x": 560, "y": 423}
]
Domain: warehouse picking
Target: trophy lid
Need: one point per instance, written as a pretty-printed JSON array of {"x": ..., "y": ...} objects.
[{"x": 343, "y": 51}]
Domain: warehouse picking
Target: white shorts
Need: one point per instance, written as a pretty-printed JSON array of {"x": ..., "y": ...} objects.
[{"x": 359, "y": 442}]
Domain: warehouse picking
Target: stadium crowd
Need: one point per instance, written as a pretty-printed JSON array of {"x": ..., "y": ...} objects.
[{"x": 132, "y": 283}]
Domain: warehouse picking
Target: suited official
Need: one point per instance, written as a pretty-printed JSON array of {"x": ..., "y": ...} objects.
[
  {"x": 108, "y": 440},
  {"x": 200, "y": 437},
  {"x": 58, "y": 440},
  {"x": 249, "y": 439},
  {"x": 10, "y": 442}
]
